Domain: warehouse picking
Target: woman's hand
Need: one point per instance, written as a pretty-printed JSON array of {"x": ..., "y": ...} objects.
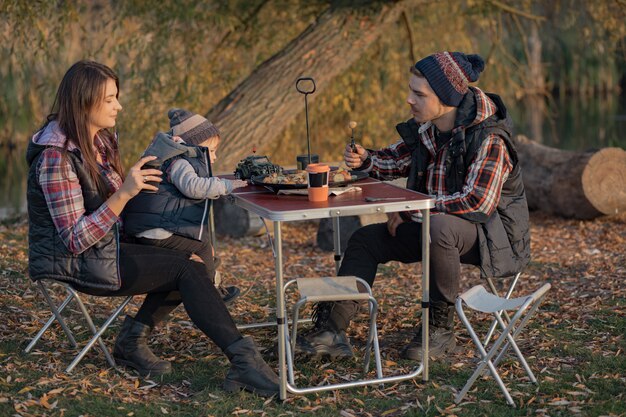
[
  {"x": 135, "y": 182},
  {"x": 355, "y": 159},
  {"x": 137, "y": 178}
]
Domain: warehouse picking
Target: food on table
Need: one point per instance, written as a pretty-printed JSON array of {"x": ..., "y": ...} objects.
[
  {"x": 340, "y": 175},
  {"x": 301, "y": 177}
]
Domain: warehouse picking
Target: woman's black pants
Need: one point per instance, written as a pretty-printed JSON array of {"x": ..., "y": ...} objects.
[{"x": 168, "y": 278}]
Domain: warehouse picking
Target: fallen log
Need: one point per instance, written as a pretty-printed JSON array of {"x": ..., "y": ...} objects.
[{"x": 580, "y": 185}]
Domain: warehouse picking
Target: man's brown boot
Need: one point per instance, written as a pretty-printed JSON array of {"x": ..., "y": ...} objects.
[{"x": 440, "y": 334}]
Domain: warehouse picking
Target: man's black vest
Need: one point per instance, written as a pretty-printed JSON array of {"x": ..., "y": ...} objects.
[
  {"x": 48, "y": 257},
  {"x": 168, "y": 208},
  {"x": 504, "y": 236}
]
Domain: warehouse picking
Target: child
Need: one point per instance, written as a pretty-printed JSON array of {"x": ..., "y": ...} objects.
[{"x": 176, "y": 216}]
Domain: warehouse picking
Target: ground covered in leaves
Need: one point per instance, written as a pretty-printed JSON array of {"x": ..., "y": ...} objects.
[{"x": 575, "y": 344}]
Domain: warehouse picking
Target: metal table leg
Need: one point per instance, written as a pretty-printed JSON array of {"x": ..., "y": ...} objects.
[
  {"x": 337, "y": 243},
  {"x": 421, "y": 369},
  {"x": 425, "y": 288},
  {"x": 280, "y": 310}
]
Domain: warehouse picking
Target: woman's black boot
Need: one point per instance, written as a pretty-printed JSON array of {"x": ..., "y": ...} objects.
[
  {"x": 131, "y": 349},
  {"x": 248, "y": 370}
]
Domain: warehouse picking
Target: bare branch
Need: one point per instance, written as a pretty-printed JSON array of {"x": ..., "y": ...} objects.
[
  {"x": 244, "y": 24},
  {"x": 409, "y": 32},
  {"x": 515, "y": 11}
]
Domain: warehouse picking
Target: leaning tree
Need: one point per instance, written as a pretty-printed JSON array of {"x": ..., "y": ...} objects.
[
  {"x": 571, "y": 184},
  {"x": 263, "y": 104}
]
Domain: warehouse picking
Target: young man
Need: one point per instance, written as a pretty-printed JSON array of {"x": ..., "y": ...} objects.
[{"x": 457, "y": 148}]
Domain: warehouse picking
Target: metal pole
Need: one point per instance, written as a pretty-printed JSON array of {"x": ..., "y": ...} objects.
[
  {"x": 337, "y": 243},
  {"x": 425, "y": 288},
  {"x": 308, "y": 141}
]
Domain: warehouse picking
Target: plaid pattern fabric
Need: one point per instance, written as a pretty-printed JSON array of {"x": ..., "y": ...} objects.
[
  {"x": 485, "y": 176},
  {"x": 64, "y": 198}
]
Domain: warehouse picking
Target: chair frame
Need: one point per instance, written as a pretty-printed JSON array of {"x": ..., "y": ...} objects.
[
  {"x": 56, "y": 316},
  {"x": 326, "y": 294},
  {"x": 478, "y": 299}
]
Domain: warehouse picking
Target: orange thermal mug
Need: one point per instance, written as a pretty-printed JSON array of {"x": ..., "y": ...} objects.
[{"x": 318, "y": 181}]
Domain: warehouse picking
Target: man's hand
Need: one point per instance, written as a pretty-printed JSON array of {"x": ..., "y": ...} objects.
[
  {"x": 355, "y": 159},
  {"x": 393, "y": 221}
]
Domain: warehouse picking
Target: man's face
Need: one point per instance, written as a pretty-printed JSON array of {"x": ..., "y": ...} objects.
[{"x": 425, "y": 105}]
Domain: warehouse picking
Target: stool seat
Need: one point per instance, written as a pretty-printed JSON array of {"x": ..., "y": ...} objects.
[
  {"x": 335, "y": 288},
  {"x": 479, "y": 299},
  {"x": 332, "y": 289}
]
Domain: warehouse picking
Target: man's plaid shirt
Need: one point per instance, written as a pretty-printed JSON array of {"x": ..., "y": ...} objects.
[{"x": 485, "y": 175}]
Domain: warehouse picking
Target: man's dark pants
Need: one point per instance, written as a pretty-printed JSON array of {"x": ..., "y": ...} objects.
[{"x": 453, "y": 241}]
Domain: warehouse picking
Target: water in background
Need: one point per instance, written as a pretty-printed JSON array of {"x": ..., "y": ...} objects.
[
  {"x": 13, "y": 171},
  {"x": 576, "y": 124},
  {"x": 573, "y": 123}
]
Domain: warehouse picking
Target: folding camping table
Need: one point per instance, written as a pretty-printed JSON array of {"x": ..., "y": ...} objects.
[{"x": 285, "y": 208}]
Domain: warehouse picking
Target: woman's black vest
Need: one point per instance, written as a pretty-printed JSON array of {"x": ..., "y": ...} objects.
[
  {"x": 168, "y": 208},
  {"x": 504, "y": 236},
  {"x": 48, "y": 257}
]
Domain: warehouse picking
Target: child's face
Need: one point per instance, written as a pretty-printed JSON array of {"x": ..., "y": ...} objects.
[{"x": 212, "y": 144}]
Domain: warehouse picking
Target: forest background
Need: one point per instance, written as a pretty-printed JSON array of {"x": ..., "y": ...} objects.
[
  {"x": 542, "y": 56},
  {"x": 192, "y": 53}
]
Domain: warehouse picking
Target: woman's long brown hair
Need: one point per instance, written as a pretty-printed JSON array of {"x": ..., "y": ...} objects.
[{"x": 80, "y": 91}]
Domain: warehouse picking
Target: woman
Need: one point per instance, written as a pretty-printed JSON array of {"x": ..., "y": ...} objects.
[{"x": 76, "y": 192}]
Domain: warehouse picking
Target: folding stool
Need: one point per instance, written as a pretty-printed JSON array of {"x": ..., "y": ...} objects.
[
  {"x": 478, "y": 299},
  {"x": 493, "y": 289},
  {"x": 339, "y": 288},
  {"x": 56, "y": 315}
]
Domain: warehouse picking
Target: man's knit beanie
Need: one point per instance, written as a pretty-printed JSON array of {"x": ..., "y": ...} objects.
[
  {"x": 191, "y": 128},
  {"x": 449, "y": 74}
]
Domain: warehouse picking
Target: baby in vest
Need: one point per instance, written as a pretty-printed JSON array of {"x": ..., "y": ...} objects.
[{"x": 176, "y": 216}]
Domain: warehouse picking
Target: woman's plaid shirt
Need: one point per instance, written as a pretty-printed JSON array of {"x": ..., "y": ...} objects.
[{"x": 64, "y": 196}]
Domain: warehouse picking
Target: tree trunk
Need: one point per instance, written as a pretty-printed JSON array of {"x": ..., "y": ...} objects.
[
  {"x": 535, "y": 97},
  {"x": 581, "y": 185},
  {"x": 264, "y": 104}
]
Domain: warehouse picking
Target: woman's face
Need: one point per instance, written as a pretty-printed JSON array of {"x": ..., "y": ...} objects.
[{"x": 103, "y": 114}]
